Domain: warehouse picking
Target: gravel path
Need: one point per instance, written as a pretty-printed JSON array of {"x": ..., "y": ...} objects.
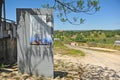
[{"x": 94, "y": 57}]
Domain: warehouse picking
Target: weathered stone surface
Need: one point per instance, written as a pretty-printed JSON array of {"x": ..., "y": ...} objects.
[{"x": 34, "y": 59}]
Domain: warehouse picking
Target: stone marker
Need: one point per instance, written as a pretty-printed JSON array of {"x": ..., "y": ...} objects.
[{"x": 35, "y": 41}]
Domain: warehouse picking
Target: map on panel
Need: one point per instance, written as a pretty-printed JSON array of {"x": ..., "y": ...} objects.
[{"x": 38, "y": 34}]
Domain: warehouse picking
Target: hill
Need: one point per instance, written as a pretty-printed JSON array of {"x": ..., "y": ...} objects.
[{"x": 99, "y": 38}]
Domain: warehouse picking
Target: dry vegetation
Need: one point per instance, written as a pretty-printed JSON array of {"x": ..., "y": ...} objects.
[{"x": 64, "y": 70}]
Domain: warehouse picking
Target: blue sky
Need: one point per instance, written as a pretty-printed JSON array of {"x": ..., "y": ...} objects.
[{"x": 108, "y": 18}]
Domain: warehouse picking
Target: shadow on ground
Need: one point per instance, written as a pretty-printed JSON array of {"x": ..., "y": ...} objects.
[
  {"x": 60, "y": 74},
  {"x": 5, "y": 71}
]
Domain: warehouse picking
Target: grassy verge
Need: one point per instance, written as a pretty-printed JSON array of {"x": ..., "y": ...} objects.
[
  {"x": 98, "y": 50},
  {"x": 60, "y": 48},
  {"x": 109, "y": 46}
]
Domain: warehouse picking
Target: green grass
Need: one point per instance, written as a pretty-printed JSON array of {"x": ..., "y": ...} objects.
[
  {"x": 2, "y": 65},
  {"x": 74, "y": 52},
  {"x": 59, "y": 44},
  {"x": 60, "y": 48}
]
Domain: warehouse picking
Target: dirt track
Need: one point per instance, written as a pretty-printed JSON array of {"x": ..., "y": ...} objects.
[{"x": 105, "y": 59}]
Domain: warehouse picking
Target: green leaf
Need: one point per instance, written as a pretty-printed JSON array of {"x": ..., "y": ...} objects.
[
  {"x": 63, "y": 19},
  {"x": 75, "y": 19},
  {"x": 97, "y": 8},
  {"x": 61, "y": 14},
  {"x": 94, "y": 2},
  {"x": 80, "y": 3},
  {"x": 82, "y": 21},
  {"x": 46, "y": 6}
]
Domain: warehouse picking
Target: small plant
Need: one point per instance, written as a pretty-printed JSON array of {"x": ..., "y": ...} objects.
[
  {"x": 2, "y": 65},
  {"x": 59, "y": 47}
]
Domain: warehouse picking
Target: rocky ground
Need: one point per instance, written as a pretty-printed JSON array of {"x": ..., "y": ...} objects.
[
  {"x": 93, "y": 66},
  {"x": 86, "y": 72},
  {"x": 65, "y": 70}
]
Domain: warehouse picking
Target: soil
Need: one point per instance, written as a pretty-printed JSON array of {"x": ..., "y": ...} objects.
[
  {"x": 95, "y": 65},
  {"x": 106, "y": 58}
]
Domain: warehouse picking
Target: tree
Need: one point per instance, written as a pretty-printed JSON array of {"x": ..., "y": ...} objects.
[{"x": 66, "y": 8}]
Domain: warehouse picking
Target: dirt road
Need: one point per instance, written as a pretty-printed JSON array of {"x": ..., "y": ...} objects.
[{"x": 94, "y": 57}]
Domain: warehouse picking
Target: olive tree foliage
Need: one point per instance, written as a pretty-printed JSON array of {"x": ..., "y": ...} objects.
[{"x": 70, "y": 10}]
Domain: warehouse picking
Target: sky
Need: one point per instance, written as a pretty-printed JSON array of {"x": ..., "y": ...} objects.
[{"x": 108, "y": 18}]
